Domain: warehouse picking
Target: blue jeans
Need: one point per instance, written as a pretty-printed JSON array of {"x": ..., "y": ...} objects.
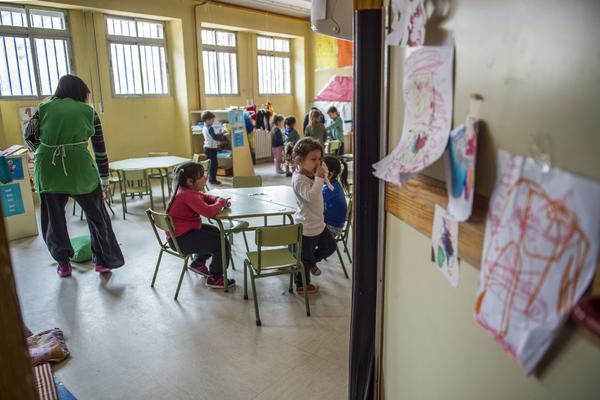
[{"x": 214, "y": 163}]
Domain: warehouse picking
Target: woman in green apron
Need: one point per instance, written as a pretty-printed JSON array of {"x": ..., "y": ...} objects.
[{"x": 59, "y": 133}]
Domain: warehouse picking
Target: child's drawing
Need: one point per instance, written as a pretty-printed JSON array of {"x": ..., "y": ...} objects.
[
  {"x": 444, "y": 239},
  {"x": 408, "y": 23},
  {"x": 540, "y": 249},
  {"x": 459, "y": 160},
  {"x": 427, "y": 114}
]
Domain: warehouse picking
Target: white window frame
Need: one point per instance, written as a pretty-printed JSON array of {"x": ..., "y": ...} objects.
[
  {"x": 139, "y": 41},
  {"x": 221, "y": 49},
  {"x": 273, "y": 53},
  {"x": 31, "y": 33}
]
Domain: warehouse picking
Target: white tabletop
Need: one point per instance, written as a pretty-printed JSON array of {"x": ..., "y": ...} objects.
[{"x": 163, "y": 162}]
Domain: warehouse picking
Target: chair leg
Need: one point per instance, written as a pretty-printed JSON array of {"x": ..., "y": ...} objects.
[
  {"x": 107, "y": 202},
  {"x": 258, "y": 323},
  {"x": 246, "y": 241},
  {"x": 347, "y": 251},
  {"x": 74, "y": 206},
  {"x": 181, "y": 277},
  {"x": 337, "y": 250},
  {"x": 291, "y": 288},
  {"x": 246, "y": 280},
  {"x": 81, "y": 215},
  {"x": 151, "y": 199},
  {"x": 124, "y": 203},
  {"x": 156, "y": 269},
  {"x": 266, "y": 221},
  {"x": 162, "y": 189},
  {"x": 305, "y": 289}
]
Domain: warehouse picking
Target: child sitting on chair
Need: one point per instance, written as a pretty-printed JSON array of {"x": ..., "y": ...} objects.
[
  {"x": 336, "y": 207},
  {"x": 185, "y": 208},
  {"x": 291, "y": 137}
]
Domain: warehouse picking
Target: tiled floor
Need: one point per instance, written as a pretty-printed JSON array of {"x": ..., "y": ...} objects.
[{"x": 129, "y": 341}]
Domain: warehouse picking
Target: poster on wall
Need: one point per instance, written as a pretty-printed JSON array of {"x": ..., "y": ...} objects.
[
  {"x": 238, "y": 137},
  {"x": 459, "y": 166},
  {"x": 427, "y": 114},
  {"x": 12, "y": 202},
  {"x": 541, "y": 243},
  {"x": 444, "y": 244},
  {"x": 236, "y": 116},
  {"x": 409, "y": 18},
  {"x": 15, "y": 168}
]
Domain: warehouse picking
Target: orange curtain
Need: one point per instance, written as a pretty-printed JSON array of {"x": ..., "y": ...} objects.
[{"x": 344, "y": 53}]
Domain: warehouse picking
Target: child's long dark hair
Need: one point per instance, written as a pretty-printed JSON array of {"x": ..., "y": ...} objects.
[
  {"x": 183, "y": 172},
  {"x": 338, "y": 168}
]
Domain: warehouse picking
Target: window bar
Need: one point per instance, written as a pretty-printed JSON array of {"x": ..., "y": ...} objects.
[
  {"x": 124, "y": 64},
  {"x": 36, "y": 66},
  {"x": 18, "y": 64},
  {"x": 160, "y": 72},
  {"x": 128, "y": 67},
  {"x": 27, "y": 58},
  {"x": 47, "y": 63},
  {"x": 56, "y": 64},
  {"x": 144, "y": 68},
  {"x": 117, "y": 81},
  {"x": 4, "y": 40},
  {"x": 156, "y": 69},
  {"x": 164, "y": 75}
]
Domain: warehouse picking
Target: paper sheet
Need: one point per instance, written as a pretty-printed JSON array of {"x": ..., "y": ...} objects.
[
  {"x": 459, "y": 165},
  {"x": 539, "y": 255},
  {"x": 427, "y": 114},
  {"x": 408, "y": 23},
  {"x": 444, "y": 242}
]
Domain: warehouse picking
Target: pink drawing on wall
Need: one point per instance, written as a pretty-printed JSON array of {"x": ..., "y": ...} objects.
[
  {"x": 540, "y": 249},
  {"x": 408, "y": 23}
]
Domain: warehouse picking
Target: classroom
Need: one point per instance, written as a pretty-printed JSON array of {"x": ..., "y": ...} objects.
[{"x": 417, "y": 182}]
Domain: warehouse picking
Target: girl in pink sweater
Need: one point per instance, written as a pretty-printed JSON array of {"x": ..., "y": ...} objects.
[{"x": 186, "y": 208}]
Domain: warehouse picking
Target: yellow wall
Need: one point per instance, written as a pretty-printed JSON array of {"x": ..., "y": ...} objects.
[
  {"x": 322, "y": 75},
  {"x": 536, "y": 72}
]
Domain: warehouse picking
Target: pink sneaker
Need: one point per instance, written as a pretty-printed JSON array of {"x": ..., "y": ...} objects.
[
  {"x": 200, "y": 269},
  {"x": 64, "y": 269},
  {"x": 312, "y": 289},
  {"x": 315, "y": 270},
  {"x": 102, "y": 269},
  {"x": 219, "y": 283}
]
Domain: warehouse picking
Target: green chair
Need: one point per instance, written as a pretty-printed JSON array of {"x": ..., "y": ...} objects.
[
  {"x": 278, "y": 259},
  {"x": 134, "y": 182},
  {"x": 206, "y": 167},
  {"x": 164, "y": 223},
  {"x": 334, "y": 146},
  {"x": 343, "y": 238},
  {"x": 160, "y": 174}
]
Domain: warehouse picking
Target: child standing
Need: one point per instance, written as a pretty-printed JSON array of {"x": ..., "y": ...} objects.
[
  {"x": 317, "y": 242},
  {"x": 315, "y": 127},
  {"x": 336, "y": 207},
  {"x": 186, "y": 207},
  {"x": 335, "y": 130},
  {"x": 291, "y": 137},
  {"x": 211, "y": 145},
  {"x": 277, "y": 141}
]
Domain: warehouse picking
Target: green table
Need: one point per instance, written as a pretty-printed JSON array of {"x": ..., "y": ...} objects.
[{"x": 265, "y": 201}]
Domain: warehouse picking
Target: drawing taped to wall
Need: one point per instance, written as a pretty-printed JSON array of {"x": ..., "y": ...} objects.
[
  {"x": 427, "y": 114},
  {"x": 408, "y": 23},
  {"x": 539, "y": 256},
  {"x": 444, "y": 241},
  {"x": 459, "y": 163}
]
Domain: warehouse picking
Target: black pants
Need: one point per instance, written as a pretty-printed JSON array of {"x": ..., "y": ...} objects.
[
  {"x": 105, "y": 248},
  {"x": 204, "y": 243},
  {"x": 315, "y": 249},
  {"x": 211, "y": 154}
]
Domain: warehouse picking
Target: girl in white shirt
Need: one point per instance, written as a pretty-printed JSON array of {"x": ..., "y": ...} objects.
[{"x": 307, "y": 181}]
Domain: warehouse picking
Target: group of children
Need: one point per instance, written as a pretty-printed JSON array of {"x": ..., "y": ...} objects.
[{"x": 321, "y": 211}]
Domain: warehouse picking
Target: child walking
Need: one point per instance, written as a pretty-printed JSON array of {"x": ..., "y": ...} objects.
[
  {"x": 336, "y": 207},
  {"x": 291, "y": 137},
  {"x": 335, "y": 130},
  {"x": 211, "y": 145},
  {"x": 185, "y": 208},
  {"x": 317, "y": 242},
  {"x": 277, "y": 142}
]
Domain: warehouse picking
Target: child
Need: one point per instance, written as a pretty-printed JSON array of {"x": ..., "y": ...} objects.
[
  {"x": 317, "y": 242},
  {"x": 277, "y": 141},
  {"x": 185, "y": 208},
  {"x": 335, "y": 130},
  {"x": 211, "y": 145},
  {"x": 335, "y": 200},
  {"x": 291, "y": 137},
  {"x": 315, "y": 127}
]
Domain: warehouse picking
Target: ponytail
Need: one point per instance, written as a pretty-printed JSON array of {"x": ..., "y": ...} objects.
[
  {"x": 181, "y": 173},
  {"x": 344, "y": 176}
]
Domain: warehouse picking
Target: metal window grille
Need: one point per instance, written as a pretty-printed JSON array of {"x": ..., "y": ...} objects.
[
  {"x": 34, "y": 50},
  {"x": 219, "y": 61},
  {"x": 138, "y": 56},
  {"x": 274, "y": 65}
]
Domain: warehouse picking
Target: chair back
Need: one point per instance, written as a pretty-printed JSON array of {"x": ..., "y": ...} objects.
[
  {"x": 348, "y": 225},
  {"x": 205, "y": 166},
  {"x": 247, "y": 181},
  {"x": 164, "y": 223},
  {"x": 278, "y": 236},
  {"x": 158, "y": 154},
  {"x": 196, "y": 157},
  {"x": 334, "y": 146},
  {"x": 134, "y": 181}
]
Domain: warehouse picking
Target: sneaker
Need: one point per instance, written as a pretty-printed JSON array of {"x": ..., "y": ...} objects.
[
  {"x": 312, "y": 289},
  {"x": 218, "y": 283},
  {"x": 64, "y": 269},
  {"x": 101, "y": 269},
  {"x": 288, "y": 174},
  {"x": 215, "y": 182},
  {"x": 200, "y": 269},
  {"x": 315, "y": 270}
]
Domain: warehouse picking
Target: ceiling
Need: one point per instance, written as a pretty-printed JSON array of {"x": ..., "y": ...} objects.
[{"x": 295, "y": 8}]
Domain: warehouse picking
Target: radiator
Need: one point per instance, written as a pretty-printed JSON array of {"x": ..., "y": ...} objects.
[{"x": 262, "y": 144}]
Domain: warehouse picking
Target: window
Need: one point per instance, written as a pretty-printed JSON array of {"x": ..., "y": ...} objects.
[
  {"x": 138, "y": 57},
  {"x": 274, "y": 75},
  {"x": 34, "y": 50},
  {"x": 219, "y": 59}
]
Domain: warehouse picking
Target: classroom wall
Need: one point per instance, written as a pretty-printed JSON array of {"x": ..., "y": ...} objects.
[
  {"x": 323, "y": 75},
  {"x": 538, "y": 71},
  {"x": 247, "y": 24},
  {"x": 132, "y": 126}
]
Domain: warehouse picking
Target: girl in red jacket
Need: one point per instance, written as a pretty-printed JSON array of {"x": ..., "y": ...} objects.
[{"x": 186, "y": 208}]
